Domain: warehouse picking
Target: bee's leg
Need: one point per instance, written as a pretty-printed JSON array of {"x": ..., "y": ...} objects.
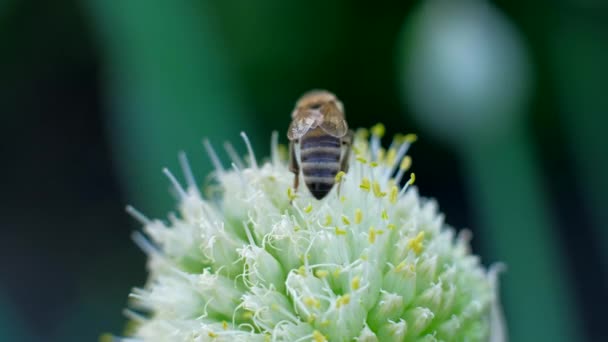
[
  {"x": 347, "y": 142},
  {"x": 293, "y": 165}
]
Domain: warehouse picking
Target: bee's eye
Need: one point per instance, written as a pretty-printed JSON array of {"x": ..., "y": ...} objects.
[{"x": 315, "y": 106}]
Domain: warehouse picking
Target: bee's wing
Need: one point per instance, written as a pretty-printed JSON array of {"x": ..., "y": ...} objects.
[
  {"x": 333, "y": 121},
  {"x": 300, "y": 124}
]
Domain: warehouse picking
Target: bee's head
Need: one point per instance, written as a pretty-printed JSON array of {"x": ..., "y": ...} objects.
[{"x": 315, "y": 99}]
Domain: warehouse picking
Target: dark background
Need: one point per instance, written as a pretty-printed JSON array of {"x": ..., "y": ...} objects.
[{"x": 96, "y": 96}]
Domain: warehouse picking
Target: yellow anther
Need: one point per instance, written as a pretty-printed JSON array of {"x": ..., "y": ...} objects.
[
  {"x": 302, "y": 271},
  {"x": 339, "y": 176},
  {"x": 412, "y": 179},
  {"x": 377, "y": 191},
  {"x": 410, "y": 138},
  {"x": 378, "y": 130},
  {"x": 415, "y": 244},
  {"x": 328, "y": 220},
  {"x": 381, "y": 154},
  {"x": 311, "y": 318},
  {"x": 391, "y": 226},
  {"x": 291, "y": 194},
  {"x": 325, "y": 323},
  {"x": 342, "y": 199},
  {"x": 336, "y": 273},
  {"x": 355, "y": 283},
  {"x": 343, "y": 300},
  {"x": 406, "y": 163},
  {"x": 312, "y": 302},
  {"x": 373, "y": 164},
  {"x": 247, "y": 315},
  {"x": 358, "y": 216},
  {"x": 362, "y": 133},
  {"x": 372, "y": 235},
  {"x": 390, "y": 157},
  {"x": 212, "y": 334},
  {"x": 393, "y": 195},
  {"x": 321, "y": 273},
  {"x": 308, "y": 209},
  {"x": 362, "y": 160},
  {"x": 296, "y": 228},
  {"x": 345, "y": 220},
  {"x": 384, "y": 215},
  {"x": 225, "y": 325},
  {"x": 340, "y": 231},
  {"x": 365, "y": 184},
  {"x": 318, "y": 337}
]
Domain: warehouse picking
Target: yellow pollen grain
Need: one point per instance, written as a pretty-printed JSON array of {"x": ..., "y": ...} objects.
[
  {"x": 308, "y": 209},
  {"x": 345, "y": 220},
  {"x": 342, "y": 199},
  {"x": 406, "y": 163},
  {"x": 391, "y": 156},
  {"x": 365, "y": 184},
  {"x": 302, "y": 271},
  {"x": 312, "y": 302},
  {"x": 328, "y": 220},
  {"x": 321, "y": 273},
  {"x": 212, "y": 334},
  {"x": 247, "y": 315},
  {"x": 362, "y": 160},
  {"x": 339, "y": 176},
  {"x": 225, "y": 325},
  {"x": 384, "y": 215},
  {"x": 410, "y": 138},
  {"x": 415, "y": 244},
  {"x": 412, "y": 179},
  {"x": 340, "y": 231},
  {"x": 296, "y": 228},
  {"x": 355, "y": 283},
  {"x": 343, "y": 300},
  {"x": 393, "y": 194},
  {"x": 372, "y": 235},
  {"x": 373, "y": 164},
  {"x": 377, "y": 191},
  {"x": 391, "y": 226},
  {"x": 318, "y": 337},
  {"x": 311, "y": 318},
  {"x": 378, "y": 130},
  {"x": 358, "y": 216},
  {"x": 290, "y": 194}
]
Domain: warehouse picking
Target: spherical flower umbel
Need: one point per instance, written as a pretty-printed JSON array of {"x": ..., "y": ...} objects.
[{"x": 253, "y": 260}]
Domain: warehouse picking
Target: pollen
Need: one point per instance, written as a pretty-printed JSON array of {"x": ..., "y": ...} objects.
[
  {"x": 358, "y": 216},
  {"x": 391, "y": 156},
  {"x": 378, "y": 130},
  {"x": 406, "y": 163},
  {"x": 372, "y": 235},
  {"x": 343, "y": 300},
  {"x": 339, "y": 176},
  {"x": 212, "y": 334},
  {"x": 328, "y": 220},
  {"x": 412, "y": 179},
  {"x": 391, "y": 226},
  {"x": 225, "y": 325},
  {"x": 345, "y": 220},
  {"x": 384, "y": 215},
  {"x": 415, "y": 244},
  {"x": 291, "y": 194},
  {"x": 308, "y": 209},
  {"x": 355, "y": 283},
  {"x": 362, "y": 160},
  {"x": 410, "y": 138},
  {"x": 340, "y": 231},
  {"x": 377, "y": 191},
  {"x": 312, "y": 302},
  {"x": 318, "y": 337},
  {"x": 321, "y": 273},
  {"x": 365, "y": 184},
  {"x": 393, "y": 194},
  {"x": 373, "y": 164}
]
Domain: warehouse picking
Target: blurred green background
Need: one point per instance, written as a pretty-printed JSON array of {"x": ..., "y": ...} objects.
[{"x": 508, "y": 99}]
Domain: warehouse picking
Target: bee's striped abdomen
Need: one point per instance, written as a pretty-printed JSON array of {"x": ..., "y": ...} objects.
[{"x": 320, "y": 162}]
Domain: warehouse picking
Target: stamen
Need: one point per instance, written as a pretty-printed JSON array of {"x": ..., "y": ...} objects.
[
  {"x": 187, "y": 171},
  {"x": 234, "y": 156},
  {"x": 136, "y": 214},
  {"x": 176, "y": 185},
  {"x": 274, "y": 148},
  {"x": 252, "y": 161},
  {"x": 145, "y": 245},
  {"x": 214, "y": 158}
]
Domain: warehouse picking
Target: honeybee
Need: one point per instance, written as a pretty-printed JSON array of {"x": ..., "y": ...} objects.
[{"x": 319, "y": 141}]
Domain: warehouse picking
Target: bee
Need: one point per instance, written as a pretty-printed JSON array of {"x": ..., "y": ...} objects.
[{"x": 319, "y": 141}]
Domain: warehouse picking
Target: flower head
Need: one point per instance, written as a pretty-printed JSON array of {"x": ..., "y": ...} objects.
[{"x": 254, "y": 260}]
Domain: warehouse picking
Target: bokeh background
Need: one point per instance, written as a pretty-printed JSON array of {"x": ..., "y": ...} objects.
[{"x": 508, "y": 99}]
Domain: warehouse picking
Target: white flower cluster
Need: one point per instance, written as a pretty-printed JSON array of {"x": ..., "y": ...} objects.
[{"x": 253, "y": 260}]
